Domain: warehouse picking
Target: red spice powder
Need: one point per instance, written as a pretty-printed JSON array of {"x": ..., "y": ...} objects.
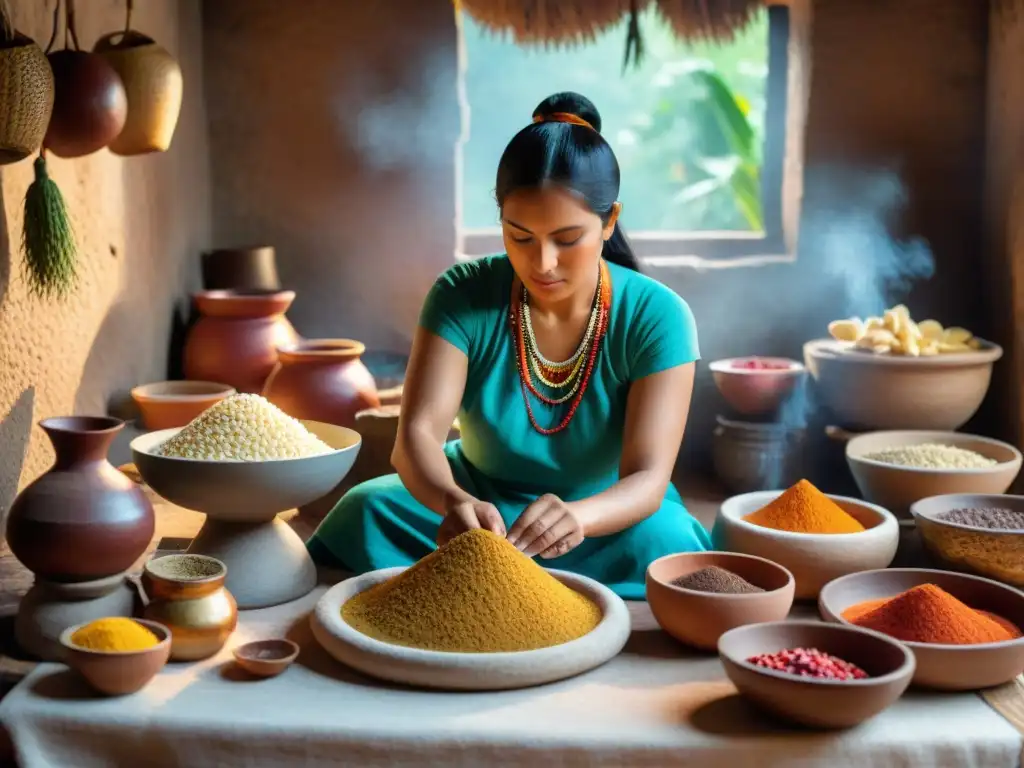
[{"x": 929, "y": 614}]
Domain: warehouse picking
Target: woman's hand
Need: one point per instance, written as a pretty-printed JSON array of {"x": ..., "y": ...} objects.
[
  {"x": 547, "y": 528},
  {"x": 467, "y": 515}
]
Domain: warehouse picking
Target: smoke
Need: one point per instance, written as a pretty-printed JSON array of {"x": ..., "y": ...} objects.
[
  {"x": 849, "y": 257},
  {"x": 846, "y": 238}
]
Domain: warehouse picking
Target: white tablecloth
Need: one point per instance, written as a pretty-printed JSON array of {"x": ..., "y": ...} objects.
[{"x": 657, "y": 704}]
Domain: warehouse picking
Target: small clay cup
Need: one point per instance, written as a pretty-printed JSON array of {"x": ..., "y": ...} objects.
[
  {"x": 698, "y": 618},
  {"x": 266, "y": 658},
  {"x": 118, "y": 673}
]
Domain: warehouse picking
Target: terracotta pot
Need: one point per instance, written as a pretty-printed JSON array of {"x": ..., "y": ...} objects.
[
  {"x": 241, "y": 269},
  {"x": 27, "y": 82},
  {"x": 322, "y": 380},
  {"x": 89, "y": 106},
  {"x": 153, "y": 84},
  {"x": 82, "y": 520},
  {"x": 236, "y": 338}
]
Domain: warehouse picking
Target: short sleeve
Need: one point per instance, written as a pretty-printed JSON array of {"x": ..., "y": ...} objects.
[
  {"x": 663, "y": 333},
  {"x": 448, "y": 311}
]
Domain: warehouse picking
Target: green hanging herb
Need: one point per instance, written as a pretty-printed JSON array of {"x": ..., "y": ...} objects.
[{"x": 48, "y": 240}]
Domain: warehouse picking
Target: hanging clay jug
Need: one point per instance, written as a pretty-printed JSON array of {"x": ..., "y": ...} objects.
[
  {"x": 89, "y": 106},
  {"x": 236, "y": 338},
  {"x": 26, "y": 98},
  {"x": 322, "y": 380},
  {"x": 82, "y": 520},
  {"x": 153, "y": 84},
  {"x": 253, "y": 268}
]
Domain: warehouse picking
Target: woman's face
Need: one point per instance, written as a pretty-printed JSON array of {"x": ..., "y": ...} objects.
[{"x": 553, "y": 241}]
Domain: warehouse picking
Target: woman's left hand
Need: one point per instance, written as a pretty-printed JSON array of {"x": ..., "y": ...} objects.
[{"x": 547, "y": 528}]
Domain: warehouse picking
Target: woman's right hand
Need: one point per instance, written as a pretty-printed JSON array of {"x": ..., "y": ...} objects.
[{"x": 467, "y": 515}]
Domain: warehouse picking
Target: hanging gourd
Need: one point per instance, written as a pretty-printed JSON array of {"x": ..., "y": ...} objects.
[
  {"x": 90, "y": 105},
  {"x": 153, "y": 82},
  {"x": 26, "y": 93}
]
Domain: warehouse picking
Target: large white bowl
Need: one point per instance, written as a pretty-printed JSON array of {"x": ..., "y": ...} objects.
[
  {"x": 468, "y": 671},
  {"x": 897, "y": 487},
  {"x": 868, "y": 391},
  {"x": 813, "y": 559}
]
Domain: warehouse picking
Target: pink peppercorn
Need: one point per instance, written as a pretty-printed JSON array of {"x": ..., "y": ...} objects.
[{"x": 809, "y": 662}]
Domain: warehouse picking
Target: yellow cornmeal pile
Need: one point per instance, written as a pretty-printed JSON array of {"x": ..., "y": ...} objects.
[
  {"x": 476, "y": 594},
  {"x": 243, "y": 428}
]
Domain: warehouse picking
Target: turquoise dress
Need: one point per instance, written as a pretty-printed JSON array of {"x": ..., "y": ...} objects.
[{"x": 503, "y": 460}]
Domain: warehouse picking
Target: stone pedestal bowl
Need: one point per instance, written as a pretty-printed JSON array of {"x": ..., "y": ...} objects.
[
  {"x": 469, "y": 671},
  {"x": 814, "y": 559},
  {"x": 267, "y": 562}
]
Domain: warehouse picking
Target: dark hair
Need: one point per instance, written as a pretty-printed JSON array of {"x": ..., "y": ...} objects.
[{"x": 574, "y": 156}]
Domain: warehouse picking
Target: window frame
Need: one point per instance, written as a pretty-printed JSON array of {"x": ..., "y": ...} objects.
[{"x": 681, "y": 248}]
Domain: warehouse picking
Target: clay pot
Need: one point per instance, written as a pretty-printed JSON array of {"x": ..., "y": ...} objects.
[
  {"x": 153, "y": 85},
  {"x": 187, "y": 595},
  {"x": 236, "y": 338},
  {"x": 90, "y": 105},
  {"x": 322, "y": 380},
  {"x": 82, "y": 520},
  {"x": 27, "y": 84},
  {"x": 241, "y": 269}
]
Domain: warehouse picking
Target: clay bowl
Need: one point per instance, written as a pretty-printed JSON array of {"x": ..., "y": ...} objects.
[
  {"x": 169, "y": 404},
  {"x": 942, "y": 667},
  {"x": 266, "y": 658},
  {"x": 813, "y": 559},
  {"x": 699, "y": 618},
  {"x": 469, "y": 671},
  {"x": 826, "y": 704},
  {"x": 897, "y": 487},
  {"x": 246, "y": 491},
  {"x": 756, "y": 391},
  {"x": 996, "y": 554},
  {"x": 868, "y": 391},
  {"x": 118, "y": 673}
]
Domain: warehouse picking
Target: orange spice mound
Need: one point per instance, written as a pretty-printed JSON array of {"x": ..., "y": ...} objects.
[
  {"x": 804, "y": 509},
  {"x": 929, "y": 614}
]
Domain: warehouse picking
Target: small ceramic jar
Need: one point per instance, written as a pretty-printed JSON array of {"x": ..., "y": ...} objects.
[{"x": 186, "y": 594}]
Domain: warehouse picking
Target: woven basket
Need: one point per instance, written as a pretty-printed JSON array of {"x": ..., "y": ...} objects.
[
  {"x": 547, "y": 22},
  {"x": 717, "y": 20},
  {"x": 153, "y": 83},
  {"x": 26, "y": 98}
]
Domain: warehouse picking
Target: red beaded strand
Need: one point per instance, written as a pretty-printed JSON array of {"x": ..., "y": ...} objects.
[{"x": 522, "y": 363}]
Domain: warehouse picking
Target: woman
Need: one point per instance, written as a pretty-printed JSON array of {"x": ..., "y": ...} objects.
[{"x": 570, "y": 373}]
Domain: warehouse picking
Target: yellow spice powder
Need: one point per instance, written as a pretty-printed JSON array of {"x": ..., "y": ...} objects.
[
  {"x": 802, "y": 508},
  {"x": 476, "y": 594},
  {"x": 114, "y": 634}
]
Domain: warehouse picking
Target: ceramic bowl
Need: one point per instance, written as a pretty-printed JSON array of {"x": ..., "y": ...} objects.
[
  {"x": 896, "y": 487},
  {"x": 756, "y": 391},
  {"x": 118, "y": 673},
  {"x": 169, "y": 404},
  {"x": 996, "y": 554},
  {"x": 469, "y": 671},
  {"x": 808, "y": 701},
  {"x": 699, "y": 618},
  {"x": 943, "y": 667},
  {"x": 266, "y": 658},
  {"x": 867, "y": 391},
  {"x": 813, "y": 559}
]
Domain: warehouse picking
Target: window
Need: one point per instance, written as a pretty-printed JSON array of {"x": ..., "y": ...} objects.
[{"x": 698, "y": 129}]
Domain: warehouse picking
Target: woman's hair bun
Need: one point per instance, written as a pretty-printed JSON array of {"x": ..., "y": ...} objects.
[{"x": 573, "y": 104}]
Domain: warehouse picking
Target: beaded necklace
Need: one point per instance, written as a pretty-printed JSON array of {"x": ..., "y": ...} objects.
[{"x": 574, "y": 373}]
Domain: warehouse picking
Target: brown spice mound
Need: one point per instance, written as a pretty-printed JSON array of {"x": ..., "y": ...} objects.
[
  {"x": 715, "y": 579},
  {"x": 929, "y": 614},
  {"x": 476, "y": 594}
]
